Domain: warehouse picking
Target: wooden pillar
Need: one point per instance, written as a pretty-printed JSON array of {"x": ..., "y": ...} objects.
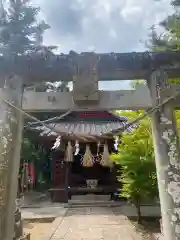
[
  {"x": 166, "y": 156},
  {"x": 67, "y": 181},
  {"x": 59, "y": 178},
  {"x": 11, "y": 124}
]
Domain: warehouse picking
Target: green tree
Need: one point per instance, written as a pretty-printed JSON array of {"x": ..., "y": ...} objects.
[
  {"x": 136, "y": 150},
  {"x": 50, "y": 87},
  {"x": 170, "y": 39},
  {"x": 136, "y": 156},
  {"x": 134, "y": 83},
  {"x": 20, "y": 32},
  {"x": 33, "y": 151}
]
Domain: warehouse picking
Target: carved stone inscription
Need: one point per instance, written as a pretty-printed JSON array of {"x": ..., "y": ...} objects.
[
  {"x": 85, "y": 84},
  {"x": 51, "y": 99}
]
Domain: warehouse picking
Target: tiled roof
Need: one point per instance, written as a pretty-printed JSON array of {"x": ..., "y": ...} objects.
[{"x": 71, "y": 125}]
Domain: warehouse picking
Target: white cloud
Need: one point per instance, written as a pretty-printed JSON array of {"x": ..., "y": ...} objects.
[
  {"x": 129, "y": 13},
  {"x": 101, "y": 25},
  {"x": 107, "y": 25}
]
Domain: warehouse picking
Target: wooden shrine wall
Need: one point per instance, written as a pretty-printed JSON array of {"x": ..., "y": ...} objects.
[{"x": 58, "y": 170}]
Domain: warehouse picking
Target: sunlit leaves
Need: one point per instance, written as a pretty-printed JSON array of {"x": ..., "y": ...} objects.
[
  {"x": 136, "y": 156},
  {"x": 170, "y": 38}
]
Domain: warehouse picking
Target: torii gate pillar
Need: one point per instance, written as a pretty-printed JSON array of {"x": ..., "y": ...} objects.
[
  {"x": 11, "y": 125},
  {"x": 166, "y": 146}
]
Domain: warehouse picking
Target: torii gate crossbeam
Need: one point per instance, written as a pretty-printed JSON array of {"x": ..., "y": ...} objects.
[{"x": 86, "y": 70}]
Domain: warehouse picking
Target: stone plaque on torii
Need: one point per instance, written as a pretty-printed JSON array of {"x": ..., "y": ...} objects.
[{"x": 85, "y": 70}]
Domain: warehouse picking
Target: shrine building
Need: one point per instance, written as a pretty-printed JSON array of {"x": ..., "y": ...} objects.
[{"x": 81, "y": 143}]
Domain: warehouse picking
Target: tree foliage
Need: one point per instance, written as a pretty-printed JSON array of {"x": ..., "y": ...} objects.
[
  {"x": 134, "y": 83},
  {"x": 136, "y": 156},
  {"x": 20, "y": 32},
  {"x": 50, "y": 87},
  {"x": 170, "y": 39},
  {"x": 31, "y": 150}
]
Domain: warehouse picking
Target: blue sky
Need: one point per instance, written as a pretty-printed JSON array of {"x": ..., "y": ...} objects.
[{"x": 101, "y": 25}]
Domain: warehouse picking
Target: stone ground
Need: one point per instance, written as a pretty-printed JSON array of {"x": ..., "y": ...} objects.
[
  {"x": 80, "y": 222},
  {"x": 45, "y": 212},
  {"x": 36, "y": 229},
  {"x": 94, "y": 223},
  {"x": 87, "y": 223}
]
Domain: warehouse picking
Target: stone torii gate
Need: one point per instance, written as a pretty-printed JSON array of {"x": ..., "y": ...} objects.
[{"x": 85, "y": 70}]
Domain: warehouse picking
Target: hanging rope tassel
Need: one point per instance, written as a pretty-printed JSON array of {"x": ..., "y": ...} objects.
[
  {"x": 98, "y": 155},
  {"x": 76, "y": 148},
  {"x": 98, "y": 146},
  {"x": 57, "y": 143},
  {"x": 69, "y": 153},
  {"x": 105, "y": 160},
  {"x": 116, "y": 143},
  {"x": 88, "y": 158}
]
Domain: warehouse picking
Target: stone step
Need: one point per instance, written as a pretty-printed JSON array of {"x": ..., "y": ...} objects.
[
  {"x": 91, "y": 197},
  {"x": 90, "y": 203}
]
